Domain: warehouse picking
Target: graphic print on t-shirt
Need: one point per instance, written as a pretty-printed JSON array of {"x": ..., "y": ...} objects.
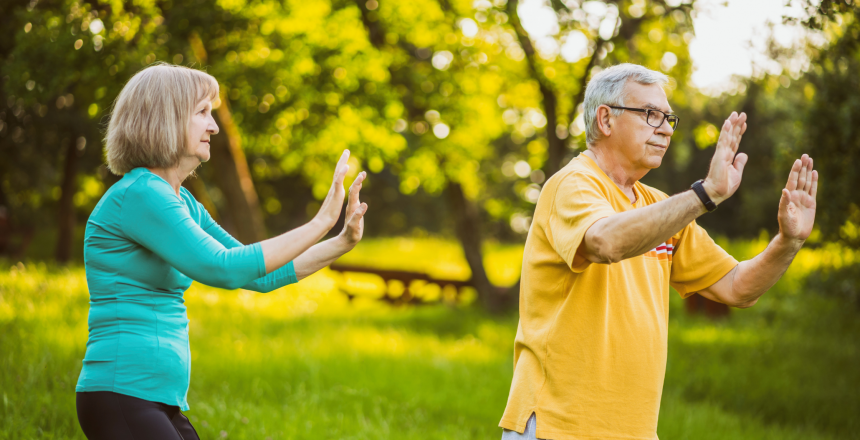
[{"x": 663, "y": 251}]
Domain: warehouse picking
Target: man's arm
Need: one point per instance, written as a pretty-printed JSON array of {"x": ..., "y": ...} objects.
[
  {"x": 743, "y": 286},
  {"x": 631, "y": 233}
]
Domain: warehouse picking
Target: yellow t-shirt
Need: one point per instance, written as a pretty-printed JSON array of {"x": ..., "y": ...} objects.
[{"x": 590, "y": 351}]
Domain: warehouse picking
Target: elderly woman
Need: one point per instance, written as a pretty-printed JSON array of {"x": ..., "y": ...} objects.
[{"x": 148, "y": 238}]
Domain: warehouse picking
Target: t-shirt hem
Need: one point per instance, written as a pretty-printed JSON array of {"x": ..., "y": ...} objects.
[
  {"x": 119, "y": 390},
  {"x": 542, "y": 433},
  {"x": 562, "y": 435},
  {"x": 513, "y": 426}
]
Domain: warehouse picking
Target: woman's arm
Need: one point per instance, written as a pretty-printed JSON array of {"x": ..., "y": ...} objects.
[
  {"x": 323, "y": 254},
  {"x": 154, "y": 217}
]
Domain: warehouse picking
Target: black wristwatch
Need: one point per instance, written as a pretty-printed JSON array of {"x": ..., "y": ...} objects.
[{"x": 699, "y": 189}]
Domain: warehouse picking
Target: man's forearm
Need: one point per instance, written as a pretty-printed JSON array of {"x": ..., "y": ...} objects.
[
  {"x": 319, "y": 256},
  {"x": 634, "y": 232},
  {"x": 754, "y": 277}
]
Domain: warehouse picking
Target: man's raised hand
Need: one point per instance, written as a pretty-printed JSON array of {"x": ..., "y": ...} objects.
[
  {"x": 330, "y": 210},
  {"x": 797, "y": 204},
  {"x": 724, "y": 175}
]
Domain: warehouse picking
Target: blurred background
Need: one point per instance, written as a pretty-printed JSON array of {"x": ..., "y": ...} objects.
[{"x": 459, "y": 111}]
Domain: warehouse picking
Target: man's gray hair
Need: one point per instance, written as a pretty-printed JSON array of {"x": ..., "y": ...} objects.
[{"x": 607, "y": 87}]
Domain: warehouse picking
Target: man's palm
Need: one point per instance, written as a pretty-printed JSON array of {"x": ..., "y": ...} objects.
[{"x": 797, "y": 204}]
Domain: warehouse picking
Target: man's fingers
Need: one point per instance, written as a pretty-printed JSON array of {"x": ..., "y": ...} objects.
[
  {"x": 792, "y": 176},
  {"x": 725, "y": 135},
  {"x": 804, "y": 170},
  {"x": 784, "y": 200},
  {"x": 740, "y": 162},
  {"x": 814, "y": 190},
  {"x": 808, "y": 184}
]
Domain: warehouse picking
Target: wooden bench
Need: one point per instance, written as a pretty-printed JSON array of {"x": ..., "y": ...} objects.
[{"x": 405, "y": 277}]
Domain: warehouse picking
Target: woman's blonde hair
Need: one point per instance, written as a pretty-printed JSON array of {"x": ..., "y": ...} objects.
[{"x": 149, "y": 122}]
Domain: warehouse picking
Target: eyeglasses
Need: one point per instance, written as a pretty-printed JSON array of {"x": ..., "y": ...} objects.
[{"x": 654, "y": 118}]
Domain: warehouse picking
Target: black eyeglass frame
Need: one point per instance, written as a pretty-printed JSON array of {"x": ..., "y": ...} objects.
[{"x": 648, "y": 111}]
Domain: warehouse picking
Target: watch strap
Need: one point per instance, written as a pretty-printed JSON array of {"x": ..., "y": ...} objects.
[{"x": 699, "y": 188}]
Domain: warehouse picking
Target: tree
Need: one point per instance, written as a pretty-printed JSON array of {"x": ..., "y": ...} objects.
[{"x": 832, "y": 119}]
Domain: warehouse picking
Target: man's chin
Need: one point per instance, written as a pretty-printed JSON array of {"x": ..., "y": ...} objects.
[{"x": 654, "y": 162}]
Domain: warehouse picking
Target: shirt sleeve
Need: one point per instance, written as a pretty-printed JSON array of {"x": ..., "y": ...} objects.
[
  {"x": 698, "y": 262},
  {"x": 579, "y": 202},
  {"x": 285, "y": 275},
  {"x": 154, "y": 217}
]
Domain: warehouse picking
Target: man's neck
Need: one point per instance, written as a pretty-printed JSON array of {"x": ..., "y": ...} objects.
[{"x": 620, "y": 171}]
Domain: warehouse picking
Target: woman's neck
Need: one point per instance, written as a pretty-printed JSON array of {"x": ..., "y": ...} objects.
[{"x": 176, "y": 175}]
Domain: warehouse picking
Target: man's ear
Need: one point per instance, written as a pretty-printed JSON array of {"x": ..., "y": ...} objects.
[{"x": 604, "y": 114}]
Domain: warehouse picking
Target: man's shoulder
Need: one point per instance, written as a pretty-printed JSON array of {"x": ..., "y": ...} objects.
[{"x": 577, "y": 170}]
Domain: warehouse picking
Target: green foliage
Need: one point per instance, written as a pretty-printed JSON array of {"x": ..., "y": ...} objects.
[{"x": 424, "y": 93}]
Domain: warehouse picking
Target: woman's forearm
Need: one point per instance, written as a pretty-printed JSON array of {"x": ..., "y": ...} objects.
[
  {"x": 286, "y": 247},
  {"x": 320, "y": 256}
]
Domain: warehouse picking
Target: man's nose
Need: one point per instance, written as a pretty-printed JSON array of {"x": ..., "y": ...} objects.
[{"x": 665, "y": 129}]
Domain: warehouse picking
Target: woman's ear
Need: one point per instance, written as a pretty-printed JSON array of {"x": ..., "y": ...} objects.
[{"x": 604, "y": 115}]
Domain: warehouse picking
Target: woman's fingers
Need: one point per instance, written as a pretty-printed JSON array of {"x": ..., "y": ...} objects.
[
  {"x": 354, "y": 227},
  {"x": 355, "y": 188},
  {"x": 341, "y": 168}
]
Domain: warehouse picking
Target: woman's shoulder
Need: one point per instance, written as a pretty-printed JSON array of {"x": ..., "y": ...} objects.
[{"x": 141, "y": 187}]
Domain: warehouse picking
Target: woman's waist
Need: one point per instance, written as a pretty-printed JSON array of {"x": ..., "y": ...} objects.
[{"x": 133, "y": 311}]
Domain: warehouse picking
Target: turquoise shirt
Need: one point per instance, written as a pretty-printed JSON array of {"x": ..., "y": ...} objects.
[{"x": 142, "y": 248}]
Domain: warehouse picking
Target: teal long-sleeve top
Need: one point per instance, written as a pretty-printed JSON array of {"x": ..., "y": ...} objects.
[{"x": 143, "y": 246}]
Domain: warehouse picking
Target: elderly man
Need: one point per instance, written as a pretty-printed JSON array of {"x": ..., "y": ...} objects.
[{"x": 590, "y": 353}]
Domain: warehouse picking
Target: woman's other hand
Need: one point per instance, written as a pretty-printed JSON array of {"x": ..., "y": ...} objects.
[
  {"x": 330, "y": 210},
  {"x": 353, "y": 227}
]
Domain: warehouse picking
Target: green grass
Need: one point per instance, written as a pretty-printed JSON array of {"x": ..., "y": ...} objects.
[{"x": 304, "y": 362}]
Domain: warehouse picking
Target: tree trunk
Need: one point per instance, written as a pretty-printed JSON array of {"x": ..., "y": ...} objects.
[
  {"x": 467, "y": 225},
  {"x": 696, "y": 304},
  {"x": 5, "y": 223},
  {"x": 556, "y": 148},
  {"x": 195, "y": 185},
  {"x": 233, "y": 178},
  {"x": 232, "y": 175},
  {"x": 66, "y": 214}
]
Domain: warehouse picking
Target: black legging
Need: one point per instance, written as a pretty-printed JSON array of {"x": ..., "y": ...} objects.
[{"x": 104, "y": 415}]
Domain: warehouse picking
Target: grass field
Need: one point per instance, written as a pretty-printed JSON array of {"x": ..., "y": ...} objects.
[{"x": 303, "y": 362}]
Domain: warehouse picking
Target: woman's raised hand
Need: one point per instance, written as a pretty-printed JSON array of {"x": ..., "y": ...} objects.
[
  {"x": 330, "y": 210},
  {"x": 353, "y": 227}
]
